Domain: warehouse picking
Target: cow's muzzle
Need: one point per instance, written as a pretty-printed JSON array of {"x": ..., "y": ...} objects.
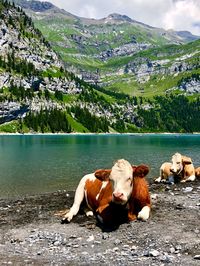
[{"x": 118, "y": 197}]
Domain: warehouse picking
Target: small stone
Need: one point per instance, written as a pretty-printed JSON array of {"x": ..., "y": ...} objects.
[
  {"x": 133, "y": 247},
  {"x": 115, "y": 249},
  {"x": 105, "y": 236},
  {"x": 178, "y": 247},
  {"x": 165, "y": 259},
  {"x": 117, "y": 242},
  {"x": 126, "y": 247},
  {"x": 90, "y": 238},
  {"x": 172, "y": 250},
  {"x": 197, "y": 257},
  {"x": 76, "y": 246},
  {"x": 56, "y": 243},
  {"x": 73, "y": 236},
  {"x": 84, "y": 253},
  {"x": 154, "y": 253},
  {"x": 179, "y": 206},
  {"x": 187, "y": 189}
]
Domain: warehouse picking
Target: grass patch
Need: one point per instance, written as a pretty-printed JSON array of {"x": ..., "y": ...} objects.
[{"x": 76, "y": 126}]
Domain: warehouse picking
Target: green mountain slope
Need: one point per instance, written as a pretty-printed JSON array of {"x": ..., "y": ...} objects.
[
  {"x": 118, "y": 52},
  {"x": 38, "y": 93}
]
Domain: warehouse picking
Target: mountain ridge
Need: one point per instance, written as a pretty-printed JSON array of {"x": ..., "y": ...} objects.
[
  {"x": 39, "y": 6},
  {"x": 39, "y": 94}
]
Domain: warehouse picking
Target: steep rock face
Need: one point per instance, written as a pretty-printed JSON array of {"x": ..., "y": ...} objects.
[
  {"x": 144, "y": 68},
  {"x": 11, "y": 110},
  {"x": 28, "y": 47},
  {"x": 124, "y": 50},
  {"x": 191, "y": 86},
  {"x": 20, "y": 41}
]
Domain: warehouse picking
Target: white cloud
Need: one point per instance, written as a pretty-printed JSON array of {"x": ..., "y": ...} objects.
[
  {"x": 176, "y": 14},
  {"x": 183, "y": 15}
]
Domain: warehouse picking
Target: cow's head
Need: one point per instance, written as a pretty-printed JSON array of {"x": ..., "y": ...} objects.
[
  {"x": 178, "y": 163},
  {"x": 121, "y": 175}
]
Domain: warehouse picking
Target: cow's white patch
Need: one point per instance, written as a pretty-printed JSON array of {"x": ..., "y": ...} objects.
[
  {"x": 89, "y": 213},
  {"x": 122, "y": 175},
  {"x": 191, "y": 178},
  {"x": 144, "y": 213},
  {"x": 91, "y": 177},
  {"x": 104, "y": 184}
]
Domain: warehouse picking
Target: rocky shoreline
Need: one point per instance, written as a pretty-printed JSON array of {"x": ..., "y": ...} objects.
[{"x": 31, "y": 234}]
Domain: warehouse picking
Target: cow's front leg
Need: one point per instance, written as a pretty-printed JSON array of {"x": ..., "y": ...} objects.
[
  {"x": 191, "y": 178},
  {"x": 144, "y": 213},
  {"x": 131, "y": 216},
  {"x": 79, "y": 196}
]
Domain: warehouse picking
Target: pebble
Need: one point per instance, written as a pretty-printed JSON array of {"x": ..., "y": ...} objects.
[
  {"x": 197, "y": 257},
  {"x": 154, "y": 253},
  {"x": 187, "y": 189},
  {"x": 90, "y": 238},
  {"x": 76, "y": 246},
  {"x": 73, "y": 236},
  {"x": 133, "y": 247},
  {"x": 84, "y": 253},
  {"x": 105, "y": 236},
  {"x": 166, "y": 259},
  {"x": 178, "y": 247},
  {"x": 57, "y": 243},
  {"x": 172, "y": 250},
  {"x": 117, "y": 242}
]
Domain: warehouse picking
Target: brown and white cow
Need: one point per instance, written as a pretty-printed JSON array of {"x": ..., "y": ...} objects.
[
  {"x": 181, "y": 168},
  {"x": 107, "y": 192}
]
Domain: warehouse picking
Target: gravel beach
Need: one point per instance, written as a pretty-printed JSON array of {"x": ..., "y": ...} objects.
[{"x": 31, "y": 234}]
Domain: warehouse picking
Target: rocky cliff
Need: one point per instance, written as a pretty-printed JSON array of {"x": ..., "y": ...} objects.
[{"x": 21, "y": 44}]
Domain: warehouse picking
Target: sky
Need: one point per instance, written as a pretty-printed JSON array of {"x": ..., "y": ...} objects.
[{"x": 167, "y": 14}]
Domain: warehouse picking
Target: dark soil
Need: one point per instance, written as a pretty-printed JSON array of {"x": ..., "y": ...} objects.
[{"x": 30, "y": 233}]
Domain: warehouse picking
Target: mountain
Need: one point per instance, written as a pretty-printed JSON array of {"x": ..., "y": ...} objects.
[
  {"x": 39, "y": 93},
  {"x": 117, "y": 52},
  {"x": 35, "y": 90}
]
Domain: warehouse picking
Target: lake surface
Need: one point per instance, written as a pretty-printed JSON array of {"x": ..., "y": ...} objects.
[{"x": 31, "y": 164}]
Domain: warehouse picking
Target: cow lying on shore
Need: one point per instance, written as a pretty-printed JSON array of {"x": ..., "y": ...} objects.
[
  {"x": 109, "y": 193},
  {"x": 180, "y": 169}
]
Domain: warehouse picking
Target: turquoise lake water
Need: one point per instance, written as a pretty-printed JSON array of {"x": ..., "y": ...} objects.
[{"x": 31, "y": 164}]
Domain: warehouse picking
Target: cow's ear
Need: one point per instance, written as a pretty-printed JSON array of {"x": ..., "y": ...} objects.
[
  {"x": 186, "y": 160},
  {"x": 102, "y": 174},
  {"x": 140, "y": 170}
]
